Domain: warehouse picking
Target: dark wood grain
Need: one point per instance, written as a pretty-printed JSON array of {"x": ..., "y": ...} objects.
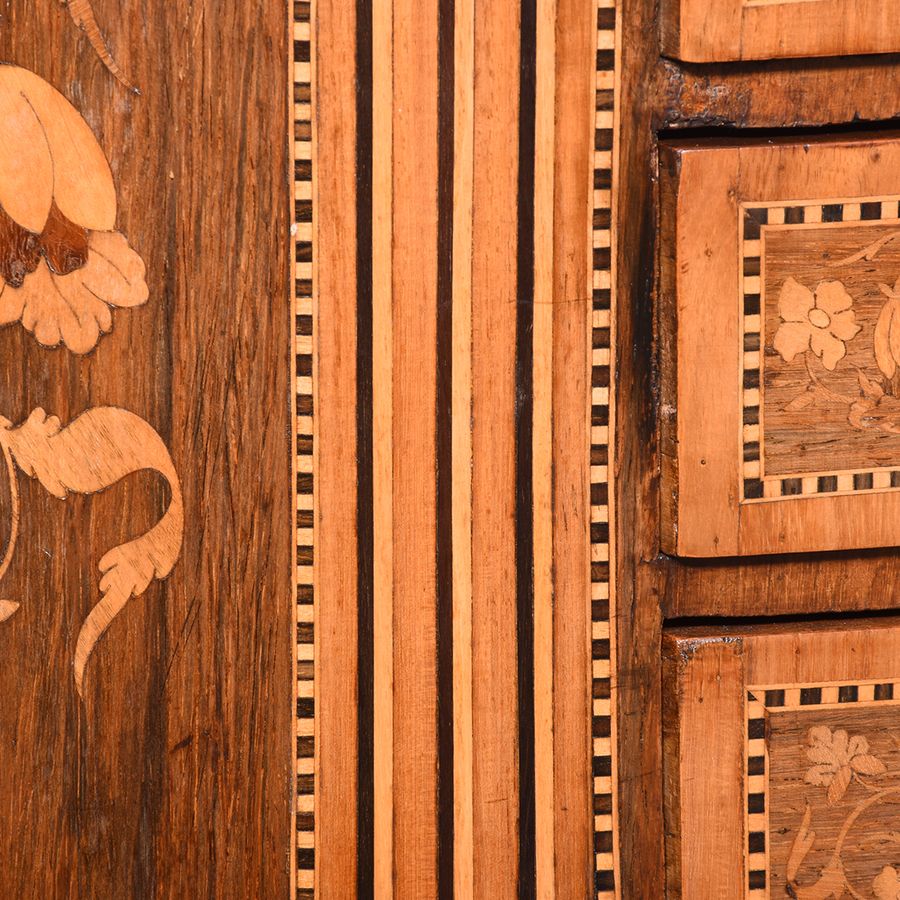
[{"x": 172, "y": 778}]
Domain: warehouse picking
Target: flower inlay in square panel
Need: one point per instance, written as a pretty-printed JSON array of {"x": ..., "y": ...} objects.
[
  {"x": 823, "y": 791},
  {"x": 821, "y": 383}
]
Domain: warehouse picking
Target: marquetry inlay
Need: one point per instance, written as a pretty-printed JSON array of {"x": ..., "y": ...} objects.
[
  {"x": 303, "y": 832},
  {"x": 821, "y": 344},
  {"x": 64, "y": 272},
  {"x": 602, "y": 423},
  {"x": 822, "y": 786}
]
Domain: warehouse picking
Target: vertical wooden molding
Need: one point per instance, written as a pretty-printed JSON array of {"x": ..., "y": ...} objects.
[
  {"x": 335, "y": 452},
  {"x": 383, "y": 456},
  {"x": 463, "y": 174},
  {"x": 572, "y": 386},
  {"x": 494, "y": 664},
  {"x": 466, "y": 246},
  {"x": 603, "y": 351},
  {"x": 543, "y": 440},
  {"x": 415, "y": 273}
]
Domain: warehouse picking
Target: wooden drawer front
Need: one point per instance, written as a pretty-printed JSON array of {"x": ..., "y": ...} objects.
[
  {"x": 782, "y": 763},
  {"x": 700, "y": 31},
  {"x": 781, "y": 346}
]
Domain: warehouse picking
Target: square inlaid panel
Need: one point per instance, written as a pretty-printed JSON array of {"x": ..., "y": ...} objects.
[
  {"x": 783, "y": 762},
  {"x": 780, "y": 346},
  {"x": 726, "y": 30}
]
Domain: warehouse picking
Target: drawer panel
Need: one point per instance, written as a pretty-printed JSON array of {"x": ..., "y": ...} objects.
[
  {"x": 780, "y": 345},
  {"x": 782, "y": 766},
  {"x": 727, "y": 30}
]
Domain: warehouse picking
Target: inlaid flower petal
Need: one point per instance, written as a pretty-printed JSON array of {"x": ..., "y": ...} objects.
[
  {"x": 26, "y": 169},
  {"x": 57, "y": 157},
  {"x": 795, "y": 301},
  {"x": 791, "y": 339},
  {"x": 833, "y": 297},
  {"x": 827, "y": 347},
  {"x": 75, "y": 309}
]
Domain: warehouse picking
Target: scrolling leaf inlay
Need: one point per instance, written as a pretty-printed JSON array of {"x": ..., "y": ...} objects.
[
  {"x": 63, "y": 269},
  {"x": 94, "y": 452}
]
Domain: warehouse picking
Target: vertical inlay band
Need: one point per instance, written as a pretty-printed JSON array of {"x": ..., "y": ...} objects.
[
  {"x": 542, "y": 443},
  {"x": 365, "y": 525},
  {"x": 444, "y": 448},
  {"x": 463, "y": 135},
  {"x": 602, "y": 441},
  {"x": 415, "y": 419},
  {"x": 336, "y": 572},
  {"x": 464, "y": 586},
  {"x": 524, "y": 437},
  {"x": 301, "y": 140},
  {"x": 494, "y": 330},
  {"x": 382, "y": 448}
]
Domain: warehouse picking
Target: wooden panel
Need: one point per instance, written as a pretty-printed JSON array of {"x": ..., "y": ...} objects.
[
  {"x": 811, "y": 710},
  {"x": 764, "y": 29},
  {"x": 149, "y": 697},
  {"x": 454, "y": 656},
  {"x": 704, "y": 708},
  {"x": 778, "y": 413}
]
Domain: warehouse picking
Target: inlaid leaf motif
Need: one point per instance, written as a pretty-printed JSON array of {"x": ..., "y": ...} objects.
[
  {"x": 82, "y": 14},
  {"x": 802, "y": 845},
  {"x": 92, "y": 453},
  {"x": 886, "y": 885},
  {"x": 837, "y": 757}
]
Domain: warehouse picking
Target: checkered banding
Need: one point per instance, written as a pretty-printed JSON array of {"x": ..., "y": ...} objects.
[
  {"x": 760, "y": 702},
  {"x": 603, "y": 658},
  {"x": 302, "y": 232},
  {"x": 755, "y": 485}
]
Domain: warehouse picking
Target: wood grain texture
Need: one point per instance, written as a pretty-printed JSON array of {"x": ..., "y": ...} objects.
[
  {"x": 494, "y": 237},
  {"x": 414, "y": 309},
  {"x": 142, "y": 786},
  {"x": 336, "y": 811},
  {"x": 704, "y": 709},
  {"x": 577, "y": 36},
  {"x": 765, "y": 29},
  {"x": 383, "y": 445},
  {"x": 461, "y": 408}
]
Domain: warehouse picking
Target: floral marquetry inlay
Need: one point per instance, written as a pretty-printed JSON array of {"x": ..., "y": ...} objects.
[
  {"x": 823, "y": 800},
  {"x": 821, "y": 312},
  {"x": 64, "y": 269}
]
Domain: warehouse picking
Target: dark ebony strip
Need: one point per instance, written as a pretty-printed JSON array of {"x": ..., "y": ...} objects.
[
  {"x": 365, "y": 525},
  {"x": 444, "y": 446},
  {"x": 524, "y": 430}
]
